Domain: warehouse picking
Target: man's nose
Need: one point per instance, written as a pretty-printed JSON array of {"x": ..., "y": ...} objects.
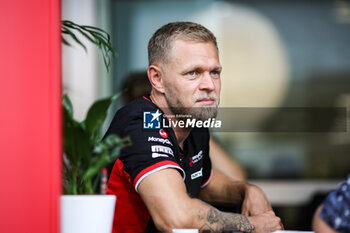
[{"x": 207, "y": 82}]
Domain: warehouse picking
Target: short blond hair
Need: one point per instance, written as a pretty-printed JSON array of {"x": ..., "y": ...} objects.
[{"x": 161, "y": 42}]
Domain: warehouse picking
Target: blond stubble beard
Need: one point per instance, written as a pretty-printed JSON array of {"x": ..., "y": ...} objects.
[{"x": 199, "y": 113}]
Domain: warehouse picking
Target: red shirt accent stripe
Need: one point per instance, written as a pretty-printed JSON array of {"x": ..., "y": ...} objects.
[{"x": 146, "y": 98}]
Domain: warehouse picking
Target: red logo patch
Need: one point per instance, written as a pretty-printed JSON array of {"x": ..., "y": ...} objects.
[
  {"x": 163, "y": 133},
  {"x": 191, "y": 162}
]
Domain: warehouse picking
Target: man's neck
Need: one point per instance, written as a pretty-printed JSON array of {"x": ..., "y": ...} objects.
[{"x": 180, "y": 133}]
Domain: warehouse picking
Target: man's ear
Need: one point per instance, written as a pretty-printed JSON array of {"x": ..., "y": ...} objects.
[{"x": 156, "y": 78}]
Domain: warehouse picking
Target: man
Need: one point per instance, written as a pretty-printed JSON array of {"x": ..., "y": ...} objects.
[{"x": 165, "y": 180}]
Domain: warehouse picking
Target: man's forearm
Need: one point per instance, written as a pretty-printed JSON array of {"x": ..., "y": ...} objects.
[
  {"x": 223, "y": 190},
  {"x": 212, "y": 220}
]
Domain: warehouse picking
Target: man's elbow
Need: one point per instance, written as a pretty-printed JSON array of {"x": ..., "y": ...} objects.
[{"x": 170, "y": 221}]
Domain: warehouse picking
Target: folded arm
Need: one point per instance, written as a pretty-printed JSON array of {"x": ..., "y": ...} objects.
[
  {"x": 221, "y": 189},
  {"x": 165, "y": 196}
]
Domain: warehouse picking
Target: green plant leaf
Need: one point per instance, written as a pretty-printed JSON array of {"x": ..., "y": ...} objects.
[
  {"x": 87, "y": 36},
  {"x": 67, "y": 104},
  {"x": 74, "y": 37},
  {"x": 77, "y": 145},
  {"x": 97, "y": 115},
  {"x": 106, "y": 151},
  {"x": 88, "y": 27},
  {"x": 68, "y": 179},
  {"x": 64, "y": 41},
  {"x": 112, "y": 143},
  {"x": 102, "y": 161},
  {"x": 95, "y": 35}
]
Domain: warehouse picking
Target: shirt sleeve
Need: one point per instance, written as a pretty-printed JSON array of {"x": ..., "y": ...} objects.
[
  {"x": 336, "y": 208},
  {"x": 151, "y": 151}
]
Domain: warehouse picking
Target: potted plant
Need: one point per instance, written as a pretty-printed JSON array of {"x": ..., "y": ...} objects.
[{"x": 86, "y": 153}]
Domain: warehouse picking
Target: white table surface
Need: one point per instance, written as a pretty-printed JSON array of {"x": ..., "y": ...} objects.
[{"x": 293, "y": 232}]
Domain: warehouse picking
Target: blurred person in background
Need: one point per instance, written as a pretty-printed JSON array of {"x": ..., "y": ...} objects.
[{"x": 334, "y": 213}]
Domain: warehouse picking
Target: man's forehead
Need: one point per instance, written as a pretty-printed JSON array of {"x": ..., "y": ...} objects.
[
  {"x": 187, "y": 42},
  {"x": 194, "y": 53}
]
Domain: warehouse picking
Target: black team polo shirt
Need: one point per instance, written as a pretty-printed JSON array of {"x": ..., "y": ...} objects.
[{"x": 152, "y": 150}]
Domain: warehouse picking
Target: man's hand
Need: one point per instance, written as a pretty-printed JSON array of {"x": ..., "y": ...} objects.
[
  {"x": 266, "y": 222},
  {"x": 257, "y": 206},
  {"x": 255, "y": 202}
]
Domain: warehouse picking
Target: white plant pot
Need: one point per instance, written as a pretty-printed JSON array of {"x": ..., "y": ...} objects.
[{"x": 87, "y": 213}]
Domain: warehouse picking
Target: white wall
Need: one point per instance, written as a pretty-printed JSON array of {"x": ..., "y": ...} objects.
[{"x": 80, "y": 68}]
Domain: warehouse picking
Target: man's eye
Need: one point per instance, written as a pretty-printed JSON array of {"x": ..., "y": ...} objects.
[
  {"x": 214, "y": 72},
  {"x": 192, "y": 73}
]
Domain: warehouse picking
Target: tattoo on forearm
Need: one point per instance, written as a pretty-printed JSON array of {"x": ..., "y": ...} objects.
[
  {"x": 212, "y": 216},
  {"x": 220, "y": 221}
]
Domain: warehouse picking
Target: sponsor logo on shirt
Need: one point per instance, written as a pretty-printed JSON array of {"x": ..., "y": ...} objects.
[
  {"x": 197, "y": 174},
  {"x": 196, "y": 158},
  {"x": 161, "y": 140},
  {"x": 163, "y": 133},
  {"x": 162, "y": 149},
  {"x": 151, "y": 120},
  {"x": 156, "y": 155}
]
